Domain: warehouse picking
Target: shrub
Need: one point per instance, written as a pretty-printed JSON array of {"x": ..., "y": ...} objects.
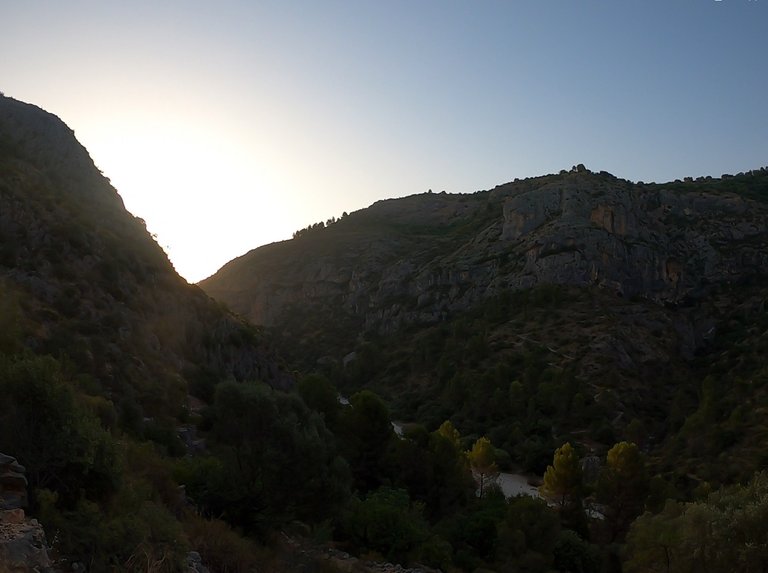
[{"x": 220, "y": 547}]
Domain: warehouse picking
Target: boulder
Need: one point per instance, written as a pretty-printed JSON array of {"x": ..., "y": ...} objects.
[
  {"x": 13, "y": 483},
  {"x": 23, "y": 548}
]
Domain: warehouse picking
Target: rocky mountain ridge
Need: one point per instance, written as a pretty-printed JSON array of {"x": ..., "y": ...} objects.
[{"x": 416, "y": 259}]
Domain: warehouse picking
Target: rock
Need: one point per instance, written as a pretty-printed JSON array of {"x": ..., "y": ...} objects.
[
  {"x": 13, "y": 484},
  {"x": 23, "y": 548},
  {"x": 12, "y": 516},
  {"x": 195, "y": 563},
  {"x": 13, "y": 481},
  {"x": 13, "y": 500}
]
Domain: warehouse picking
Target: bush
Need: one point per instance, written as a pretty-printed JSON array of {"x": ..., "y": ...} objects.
[
  {"x": 220, "y": 547},
  {"x": 133, "y": 535},
  {"x": 388, "y": 523},
  {"x": 62, "y": 444}
]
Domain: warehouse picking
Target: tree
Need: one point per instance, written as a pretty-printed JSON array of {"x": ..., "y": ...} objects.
[
  {"x": 482, "y": 459},
  {"x": 654, "y": 540},
  {"x": 282, "y": 461},
  {"x": 366, "y": 432},
  {"x": 62, "y": 445},
  {"x": 574, "y": 554},
  {"x": 517, "y": 398},
  {"x": 622, "y": 487},
  {"x": 452, "y": 483},
  {"x": 409, "y": 462},
  {"x": 563, "y": 480},
  {"x": 726, "y": 532},
  {"x": 387, "y": 521},
  {"x": 448, "y": 431},
  {"x": 320, "y": 394},
  {"x": 529, "y": 534}
]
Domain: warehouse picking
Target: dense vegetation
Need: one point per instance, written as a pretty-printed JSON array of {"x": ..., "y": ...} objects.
[{"x": 152, "y": 422}]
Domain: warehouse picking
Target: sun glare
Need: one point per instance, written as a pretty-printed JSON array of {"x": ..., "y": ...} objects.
[{"x": 184, "y": 184}]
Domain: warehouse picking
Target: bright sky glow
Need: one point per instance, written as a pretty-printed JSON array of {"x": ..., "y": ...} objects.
[{"x": 227, "y": 125}]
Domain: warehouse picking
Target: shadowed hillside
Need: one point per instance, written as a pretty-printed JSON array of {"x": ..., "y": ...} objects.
[
  {"x": 108, "y": 359},
  {"x": 82, "y": 276}
]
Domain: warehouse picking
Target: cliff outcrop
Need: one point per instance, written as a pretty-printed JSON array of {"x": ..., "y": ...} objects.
[{"x": 413, "y": 260}]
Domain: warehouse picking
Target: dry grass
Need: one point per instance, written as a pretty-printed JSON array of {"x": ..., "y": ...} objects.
[{"x": 221, "y": 548}]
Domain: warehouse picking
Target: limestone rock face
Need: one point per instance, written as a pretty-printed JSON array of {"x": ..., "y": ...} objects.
[
  {"x": 23, "y": 547},
  {"x": 415, "y": 259}
]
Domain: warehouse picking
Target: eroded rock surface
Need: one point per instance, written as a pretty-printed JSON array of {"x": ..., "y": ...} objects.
[
  {"x": 412, "y": 260},
  {"x": 23, "y": 547}
]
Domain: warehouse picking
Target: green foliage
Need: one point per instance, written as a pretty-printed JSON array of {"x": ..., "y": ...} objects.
[
  {"x": 62, "y": 444},
  {"x": 529, "y": 534},
  {"x": 366, "y": 433},
  {"x": 572, "y": 553},
  {"x": 482, "y": 459},
  {"x": 133, "y": 535},
  {"x": 271, "y": 439},
  {"x": 563, "y": 480},
  {"x": 433, "y": 468},
  {"x": 321, "y": 395},
  {"x": 726, "y": 532},
  {"x": 386, "y": 521},
  {"x": 448, "y": 431},
  {"x": 622, "y": 487}
]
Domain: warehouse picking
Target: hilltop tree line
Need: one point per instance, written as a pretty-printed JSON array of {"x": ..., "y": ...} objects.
[{"x": 315, "y": 227}]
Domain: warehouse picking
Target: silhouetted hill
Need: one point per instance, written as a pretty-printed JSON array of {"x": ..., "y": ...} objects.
[{"x": 82, "y": 277}]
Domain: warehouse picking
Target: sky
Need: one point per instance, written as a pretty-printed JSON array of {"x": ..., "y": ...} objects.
[{"x": 228, "y": 125}]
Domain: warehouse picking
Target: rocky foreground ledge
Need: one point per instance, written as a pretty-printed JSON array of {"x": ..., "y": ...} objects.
[{"x": 23, "y": 547}]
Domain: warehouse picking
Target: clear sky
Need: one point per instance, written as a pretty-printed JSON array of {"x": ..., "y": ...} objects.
[{"x": 230, "y": 124}]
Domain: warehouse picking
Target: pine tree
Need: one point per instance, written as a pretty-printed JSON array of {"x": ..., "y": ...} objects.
[
  {"x": 563, "y": 479},
  {"x": 482, "y": 459}
]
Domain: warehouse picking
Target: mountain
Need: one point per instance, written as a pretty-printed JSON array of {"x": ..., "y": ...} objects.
[
  {"x": 109, "y": 369},
  {"x": 569, "y": 305},
  {"x": 411, "y": 260},
  {"x": 81, "y": 276},
  {"x": 145, "y": 425}
]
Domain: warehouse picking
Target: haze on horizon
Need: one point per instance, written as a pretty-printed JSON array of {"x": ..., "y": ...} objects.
[{"x": 229, "y": 125}]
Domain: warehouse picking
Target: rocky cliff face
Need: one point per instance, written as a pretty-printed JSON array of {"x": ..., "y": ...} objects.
[
  {"x": 413, "y": 260},
  {"x": 81, "y": 276}
]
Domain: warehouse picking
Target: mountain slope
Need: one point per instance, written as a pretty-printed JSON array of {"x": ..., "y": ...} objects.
[
  {"x": 571, "y": 306},
  {"x": 105, "y": 355},
  {"x": 413, "y": 260},
  {"x": 81, "y": 276}
]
